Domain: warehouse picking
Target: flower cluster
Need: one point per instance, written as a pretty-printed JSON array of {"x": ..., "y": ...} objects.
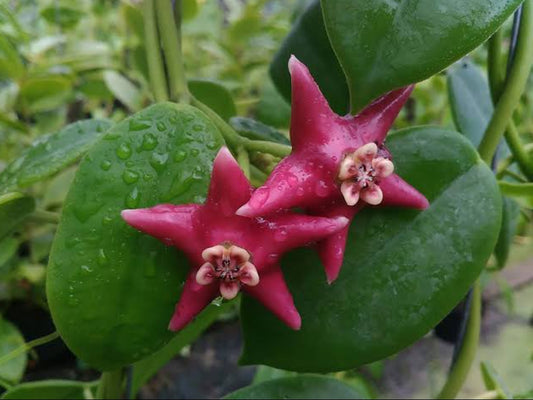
[{"x": 234, "y": 241}]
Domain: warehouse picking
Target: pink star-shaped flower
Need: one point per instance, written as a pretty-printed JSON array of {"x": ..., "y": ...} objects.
[
  {"x": 338, "y": 163},
  {"x": 228, "y": 252}
]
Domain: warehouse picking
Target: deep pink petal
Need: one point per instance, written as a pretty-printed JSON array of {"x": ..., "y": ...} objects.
[
  {"x": 169, "y": 223},
  {"x": 273, "y": 293},
  {"x": 375, "y": 121},
  {"x": 310, "y": 110},
  {"x": 296, "y": 181},
  {"x": 194, "y": 298},
  {"x": 397, "y": 192},
  {"x": 229, "y": 187}
]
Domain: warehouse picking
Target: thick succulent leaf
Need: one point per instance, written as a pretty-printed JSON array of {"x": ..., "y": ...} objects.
[
  {"x": 111, "y": 289},
  {"x": 44, "y": 93},
  {"x": 14, "y": 207},
  {"x": 470, "y": 100},
  {"x": 383, "y": 44},
  {"x": 298, "y": 387},
  {"x": 403, "y": 271},
  {"x": 510, "y": 217},
  {"x": 146, "y": 368},
  {"x": 124, "y": 90},
  {"x": 11, "y": 339},
  {"x": 52, "y": 153},
  {"x": 214, "y": 95},
  {"x": 309, "y": 42},
  {"x": 256, "y": 130},
  {"x": 52, "y": 389}
]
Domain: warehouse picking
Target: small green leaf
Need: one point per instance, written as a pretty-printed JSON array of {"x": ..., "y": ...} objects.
[
  {"x": 309, "y": 42},
  {"x": 256, "y": 130},
  {"x": 299, "y": 387},
  {"x": 493, "y": 381},
  {"x": 146, "y": 368},
  {"x": 395, "y": 284},
  {"x": 383, "y": 44},
  {"x": 510, "y": 217},
  {"x": 470, "y": 100},
  {"x": 52, "y": 389},
  {"x": 111, "y": 289},
  {"x": 124, "y": 90},
  {"x": 44, "y": 94},
  {"x": 62, "y": 14},
  {"x": 272, "y": 108},
  {"x": 11, "y": 66},
  {"x": 12, "y": 370},
  {"x": 50, "y": 154},
  {"x": 14, "y": 207},
  {"x": 214, "y": 95},
  {"x": 8, "y": 248}
]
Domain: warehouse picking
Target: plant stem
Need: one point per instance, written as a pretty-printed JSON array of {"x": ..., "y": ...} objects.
[
  {"x": 276, "y": 149},
  {"x": 28, "y": 346},
  {"x": 170, "y": 39},
  {"x": 514, "y": 87},
  {"x": 42, "y": 216},
  {"x": 156, "y": 70},
  {"x": 497, "y": 81},
  {"x": 244, "y": 161},
  {"x": 111, "y": 385},
  {"x": 467, "y": 353},
  {"x": 516, "y": 189}
]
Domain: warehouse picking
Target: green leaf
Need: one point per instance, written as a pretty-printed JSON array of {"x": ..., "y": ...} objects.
[
  {"x": 256, "y": 130},
  {"x": 112, "y": 289},
  {"x": 11, "y": 66},
  {"x": 11, "y": 339},
  {"x": 404, "y": 270},
  {"x": 265, "y": 373},
  {"x": 14, "y": 207},
  {"x": 146, "y": 368},
  {"x": 44, "y": 94},
  {"x": 189, "y": 9},
  {"x": 272, "y": 108},
  {"x": 470, "y": 100},
  {"x": 214, "y": 95},
  {"x": 50, "y": 154},
  {"x": 510, "y": 217},
  {"x": 384, "y": 44},
  {"x": 299, "y": 387},
  {"x": 124, "y": 90},
  {"x": 52, "y": 389},
  {"x": 309, "y": 42},
  {"x": 8, "y": 248},
  {"x": 493, "y": 381},
  {"x": 62, "y": 15}
]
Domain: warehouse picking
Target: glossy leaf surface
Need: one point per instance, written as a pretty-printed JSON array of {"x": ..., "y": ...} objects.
[
  {"x": 298, "y": 387},
  {"x": 52, "y": 389},
  {"x": 256, "y": 130},
  {"x": 383, "y": 44},
  {"x": 309, "y": 42},
  {"x": 11, "y": 339},
  {"x": 214, "y": 95},
  {"x": 14, "y": 207},
  {"x": 111, "y": 289},
  {"x": 403, "y": 271},
  {"x": 52, "y": 153}
]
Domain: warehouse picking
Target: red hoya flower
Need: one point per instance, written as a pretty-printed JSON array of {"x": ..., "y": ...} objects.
[
  {"x": 228, "y": 252},
  {"x": 337, "y": 165}
]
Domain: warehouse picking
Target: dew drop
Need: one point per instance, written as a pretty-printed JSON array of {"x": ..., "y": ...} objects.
[
  {"x": 292, "y": 180},
  {"x": 161, "y": 126},
  {"x": 149, "y": 141},
  {"x": 132, "y": 199},
  {"x": 280, "y": 235},
  {"x": 102, "y": 258},
  {"x": 107, "y": 220},
  {"x": 180, "y": 155},
  {"x": 212, "y": 145},
  {"x": 198, "y": 127},
  {"x": 259, "y": 198},
  {"x": 105, "y": 165},
  {"x": 138, "y": 125},
  {"x": 86, "y": 268},
  {"x": 158, "y": 161},
  {"x": 300, "y": 192},
  {"x": 124, "y": 151},
  {"x": 195, "y": 152},
  {"x": 321, "y": 189},
  {"x": 129, "y": 176}
]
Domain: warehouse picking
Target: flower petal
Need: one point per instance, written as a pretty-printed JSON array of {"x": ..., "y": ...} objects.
[
  {"x": 348, "y": 168},
  {"x": 383, "y": 167},
  {"x": 238, "y": 255},
  {"x": 229, "y": 290},
  {"x": 350, "y": 192},
  {"x": 212, "y": 254},
  {"x": 248, "y": 274},
  {"x": 372, "y": 195},
  {"x": 366, "y": 153},
  {"x": 205, "y": 274}
]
